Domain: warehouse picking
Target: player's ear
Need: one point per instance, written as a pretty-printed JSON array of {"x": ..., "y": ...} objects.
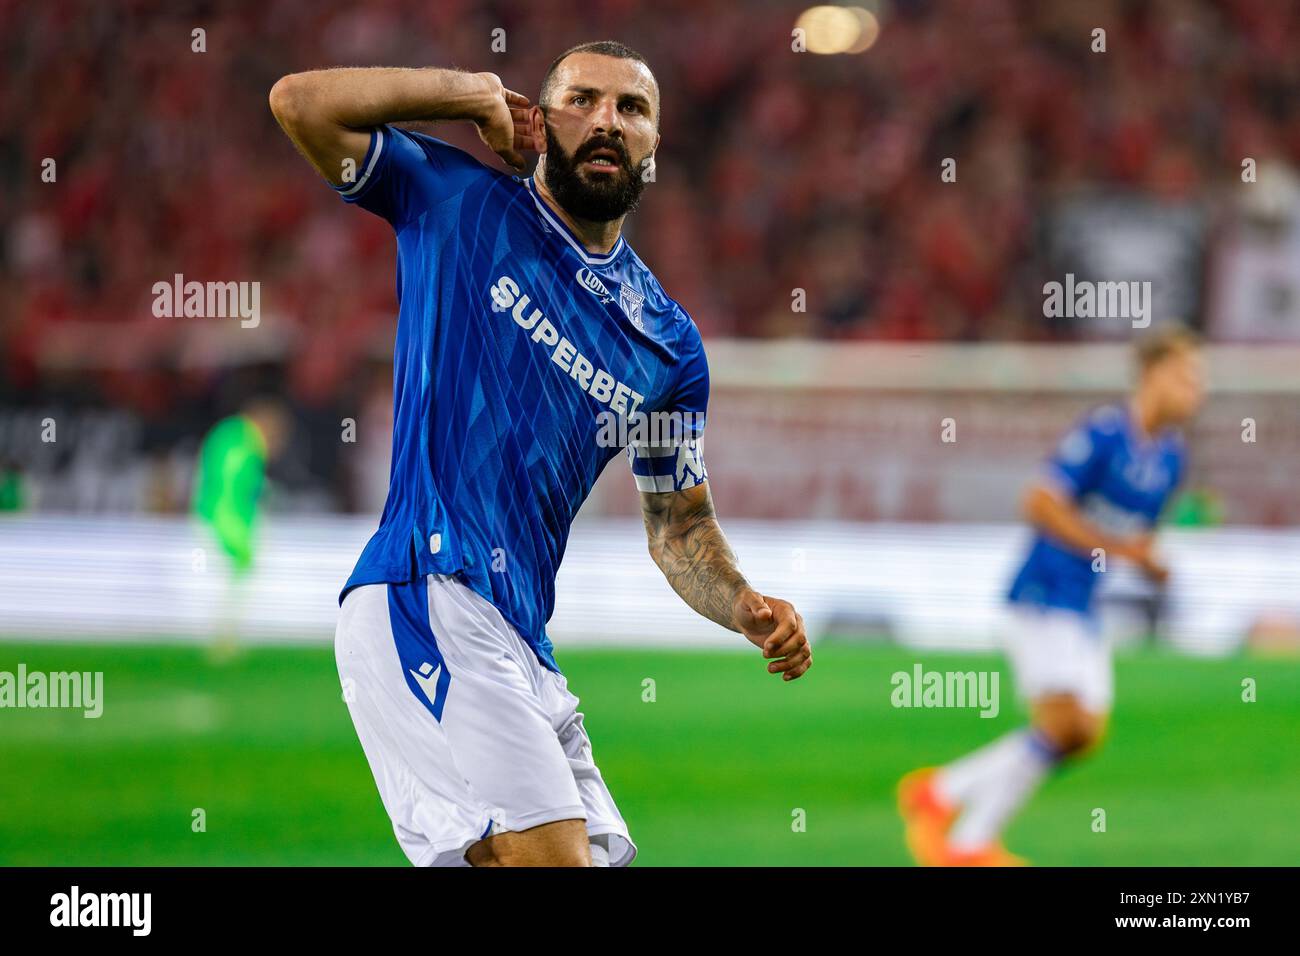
[{"x": 537, "y": 127}]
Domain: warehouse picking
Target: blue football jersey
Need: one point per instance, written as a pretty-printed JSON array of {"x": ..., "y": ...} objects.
[
  {"x": 517, "y": 353},
  {"x": 1120, "y": 481}
]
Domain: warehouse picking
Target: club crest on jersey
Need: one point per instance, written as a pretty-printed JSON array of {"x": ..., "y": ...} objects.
[
  {"x": 591, "y": 282},
  {"x": 630, "y": 302}
]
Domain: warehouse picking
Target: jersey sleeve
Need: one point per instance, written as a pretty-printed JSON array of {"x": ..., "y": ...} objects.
[
  {"x": 1079, "y": 461},
  {"x": 674, "y": 460},
  {"x": 405, "y": 173}
]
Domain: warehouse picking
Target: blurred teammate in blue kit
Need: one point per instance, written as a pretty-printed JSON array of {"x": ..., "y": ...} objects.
[{"x": 1098, "y": 498}]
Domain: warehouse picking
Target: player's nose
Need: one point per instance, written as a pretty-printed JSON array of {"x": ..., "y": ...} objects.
[{"x": 607, "y": 119}]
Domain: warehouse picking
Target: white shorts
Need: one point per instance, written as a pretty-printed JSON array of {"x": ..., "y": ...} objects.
[
  {"x": 466, "y": 732},
  {"x": 1056, "y": 651}
]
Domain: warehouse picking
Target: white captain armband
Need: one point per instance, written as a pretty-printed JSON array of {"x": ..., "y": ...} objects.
[{"x": 673, "y": 467}]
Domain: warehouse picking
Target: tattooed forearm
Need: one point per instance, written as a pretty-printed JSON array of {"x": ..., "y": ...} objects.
[{"x": 689, "y": 547}]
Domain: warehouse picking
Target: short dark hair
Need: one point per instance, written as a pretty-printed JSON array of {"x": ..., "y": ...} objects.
[
  {"x": 1159, "y": 344},
  {"x": 603, "y": 48}
]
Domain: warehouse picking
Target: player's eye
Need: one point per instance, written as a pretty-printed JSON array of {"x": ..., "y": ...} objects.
[{"x": 579, "y": 100}]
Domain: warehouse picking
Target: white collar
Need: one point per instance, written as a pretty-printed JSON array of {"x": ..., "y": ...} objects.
[{"x": 558, "y": 225}]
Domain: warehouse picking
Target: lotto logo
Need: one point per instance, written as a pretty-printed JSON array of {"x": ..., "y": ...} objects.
[{"x": 591, "y": 282}]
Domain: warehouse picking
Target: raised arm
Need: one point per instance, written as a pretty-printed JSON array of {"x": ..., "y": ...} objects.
[
  {"x": 329, "y": 113},
  {"x": 691, "y": 550}
]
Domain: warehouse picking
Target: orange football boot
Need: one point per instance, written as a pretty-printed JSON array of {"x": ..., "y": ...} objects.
[
  {"x": 995, "y": 854},
  {"x": 926, "y": 817}
]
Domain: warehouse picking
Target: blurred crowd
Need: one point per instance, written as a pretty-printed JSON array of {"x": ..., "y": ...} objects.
[{"x": 778, "y": 170}]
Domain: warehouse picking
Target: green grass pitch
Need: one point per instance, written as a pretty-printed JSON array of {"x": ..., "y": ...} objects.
[{"x": 714, "y": 771}]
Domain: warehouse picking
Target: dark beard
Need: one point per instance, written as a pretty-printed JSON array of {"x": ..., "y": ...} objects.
[{"x": 608, "y": 198}]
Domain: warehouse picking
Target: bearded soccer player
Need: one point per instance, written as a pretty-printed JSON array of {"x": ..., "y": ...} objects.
[
  {"x": 1103, "y": 488},
  {"x": 525, "y": 322}
]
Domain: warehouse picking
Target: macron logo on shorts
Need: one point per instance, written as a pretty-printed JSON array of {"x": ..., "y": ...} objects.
[
  {"x": 427, "y": 678},
  {"x": 408, "y": 614}
]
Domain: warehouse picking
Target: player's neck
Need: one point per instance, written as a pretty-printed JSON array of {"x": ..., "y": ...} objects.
[
  {"x": 598, "y": 238},
  {"x": 1146, "y": 415}
]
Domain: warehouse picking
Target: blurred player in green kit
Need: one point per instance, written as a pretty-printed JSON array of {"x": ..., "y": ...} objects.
[{"x": 228, "y": 486}]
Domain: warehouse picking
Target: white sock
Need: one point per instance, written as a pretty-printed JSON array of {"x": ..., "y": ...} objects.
[
  {"x": 992, "y": 784},
  {"x": 957, "y": 782}
]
